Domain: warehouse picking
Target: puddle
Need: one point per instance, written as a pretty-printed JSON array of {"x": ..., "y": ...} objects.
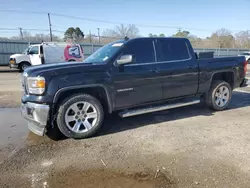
[
  {"x": 99, "y": 178},
  {"x": 15, "y": 134}
]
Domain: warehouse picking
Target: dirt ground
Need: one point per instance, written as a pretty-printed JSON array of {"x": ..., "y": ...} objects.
[{"x": 185, "y": 147}]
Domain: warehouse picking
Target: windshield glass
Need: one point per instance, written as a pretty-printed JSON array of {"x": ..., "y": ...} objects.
[
  {"x": 104, "y": 53},
  {"x": 26, "y": 50}
]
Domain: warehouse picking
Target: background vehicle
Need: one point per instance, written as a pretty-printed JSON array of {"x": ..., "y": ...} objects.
[
  {"x": 132, "y": 77},
  {"x": 247, "y": 56},
  {"x": 46, "y": 53}
]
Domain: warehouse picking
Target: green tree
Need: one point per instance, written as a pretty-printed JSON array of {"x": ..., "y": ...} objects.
[
  {"x": 182, "y": 34},
  {"x": 75, "y": 34},
  {"x": 154, "y": 35}
]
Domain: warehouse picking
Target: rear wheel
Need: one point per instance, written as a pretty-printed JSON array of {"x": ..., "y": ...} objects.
[
  {"x": 219, "y": 95},
  {"x": 80, "y": 116}
]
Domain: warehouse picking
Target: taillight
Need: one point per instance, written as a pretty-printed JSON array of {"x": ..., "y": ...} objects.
[{"x": 245, "y": 67}]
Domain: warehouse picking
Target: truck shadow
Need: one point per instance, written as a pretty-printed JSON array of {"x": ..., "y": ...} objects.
[{"x": 114, "y": 123}]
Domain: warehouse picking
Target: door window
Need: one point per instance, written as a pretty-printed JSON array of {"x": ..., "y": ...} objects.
[
  {"x": 34, "y": 50},
  {"x": 172, "y": 50},
  {"x": 141, "y": 49}
]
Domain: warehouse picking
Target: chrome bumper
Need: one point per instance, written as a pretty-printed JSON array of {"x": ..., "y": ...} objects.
[
  {"x": 15, "y": 66},
  {"x": 36, "y": 115}
]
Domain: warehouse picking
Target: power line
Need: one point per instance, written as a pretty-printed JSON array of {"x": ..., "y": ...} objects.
[
  {"x": 22, "y": 11},
  {"x": 109, "y": 22}
]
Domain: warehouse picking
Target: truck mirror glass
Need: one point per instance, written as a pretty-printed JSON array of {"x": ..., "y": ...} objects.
[{"x": 125, "y": 59}]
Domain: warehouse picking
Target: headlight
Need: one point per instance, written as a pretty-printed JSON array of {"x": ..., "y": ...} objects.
[{"x": 36, "y": 85}]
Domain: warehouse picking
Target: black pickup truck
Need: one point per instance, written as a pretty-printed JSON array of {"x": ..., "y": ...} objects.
[{"x": 130, "y": 76}]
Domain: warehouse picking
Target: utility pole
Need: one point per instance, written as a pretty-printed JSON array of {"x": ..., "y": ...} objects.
[
  {"x": 90, "y": 36},
  {"x": 21, "y": 32},
  {"x": 99, "y": 35},
  {"x": 50, "y": 31}
]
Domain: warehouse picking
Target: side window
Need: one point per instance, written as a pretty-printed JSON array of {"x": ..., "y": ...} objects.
[
  {"x": 142, "y": 51},
  {"x": 34, "y": 50},
  {"x": 171, "y": 50}
]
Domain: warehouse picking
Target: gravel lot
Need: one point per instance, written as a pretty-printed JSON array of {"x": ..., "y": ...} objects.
[{"x": 185, "y": 147}]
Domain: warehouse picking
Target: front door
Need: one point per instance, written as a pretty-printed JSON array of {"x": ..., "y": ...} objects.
[
  {"x": 34, "y": 54},
  {"x": 137, "y": 83},
  {"x": 178, "y": 67}
]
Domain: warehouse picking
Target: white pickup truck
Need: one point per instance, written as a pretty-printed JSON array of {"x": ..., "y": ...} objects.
[{"x": 46, "y": 53}]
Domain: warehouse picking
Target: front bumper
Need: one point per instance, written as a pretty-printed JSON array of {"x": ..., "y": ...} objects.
[
  {"x": 37, "y": 116},
  {"x": 15, "y": 66},
  {"x": 244, "y": 83}
]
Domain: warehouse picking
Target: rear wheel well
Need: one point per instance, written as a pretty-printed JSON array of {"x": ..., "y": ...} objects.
[
  {"x": 225, "y": 76},
  {"x": 98, "y": 92}
]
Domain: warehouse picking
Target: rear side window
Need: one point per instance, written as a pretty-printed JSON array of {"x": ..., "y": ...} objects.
[
  {"x": 172, "y": 50},
  {"x": 142, "y": 51}
]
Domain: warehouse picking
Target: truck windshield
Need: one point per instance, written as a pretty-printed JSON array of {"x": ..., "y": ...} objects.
[
  {"x": 26, "y": 50},
  {"x": 104, "y": 53}
]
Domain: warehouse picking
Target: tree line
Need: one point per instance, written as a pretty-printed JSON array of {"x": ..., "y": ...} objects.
[{"x": 222, "y": 38}]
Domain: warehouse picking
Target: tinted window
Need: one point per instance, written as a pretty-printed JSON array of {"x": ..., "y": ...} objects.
[
  {"x": 245, "y": 54},
  {"x": 33, "y": 50},
  {"x": 142, "y": 51},
  {"x": 170, "y": 50}
]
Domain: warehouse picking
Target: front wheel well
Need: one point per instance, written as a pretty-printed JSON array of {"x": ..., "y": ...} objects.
[
  {"x": 225, "y": 76},
  {"x": 22, "y": 62},
  {"x": 98, "y": 92}
]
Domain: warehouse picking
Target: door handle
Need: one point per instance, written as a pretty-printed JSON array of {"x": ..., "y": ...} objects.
[{"x": 154, "y": 70}]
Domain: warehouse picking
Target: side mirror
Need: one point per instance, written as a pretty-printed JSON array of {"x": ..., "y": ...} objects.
[{"x": 125, "y": 59}]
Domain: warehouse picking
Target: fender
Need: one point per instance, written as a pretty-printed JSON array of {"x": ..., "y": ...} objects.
[
  {"x": 60, "y": 91},
  {"x": 222, "y": 71}
]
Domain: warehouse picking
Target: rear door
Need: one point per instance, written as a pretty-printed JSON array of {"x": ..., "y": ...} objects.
[
  {"x": 137, "y": 83},
  {"x": 178, "y": 67}
]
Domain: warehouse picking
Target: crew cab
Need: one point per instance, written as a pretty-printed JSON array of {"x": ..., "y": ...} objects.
[{"x": 131, "y": 77}]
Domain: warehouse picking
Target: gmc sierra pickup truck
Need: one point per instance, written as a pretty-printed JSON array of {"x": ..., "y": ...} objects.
[{"x": 130, "y": 76}]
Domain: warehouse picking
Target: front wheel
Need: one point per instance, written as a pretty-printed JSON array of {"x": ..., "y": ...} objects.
[
  {"x": 24, "y": 66},
  {"x": 219, "y": 95},
  {"x": 80, "y": 116}
]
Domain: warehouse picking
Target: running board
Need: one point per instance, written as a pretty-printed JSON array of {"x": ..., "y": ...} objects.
[{"x": 139, "y": 111}]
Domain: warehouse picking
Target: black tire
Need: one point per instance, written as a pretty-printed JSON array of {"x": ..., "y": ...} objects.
[
  {"x": 248, "y": 61},
  {"x": 210, "y": 95},
  {"x": 64, "y": 107},
  {"x": 23, "y": 66},
  {"x": 54, "y": 133}
]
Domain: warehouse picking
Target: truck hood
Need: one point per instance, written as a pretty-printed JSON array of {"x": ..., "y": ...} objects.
[
  {"x": 18, "y": 56},
  {"x": 64, "y": 68}
]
